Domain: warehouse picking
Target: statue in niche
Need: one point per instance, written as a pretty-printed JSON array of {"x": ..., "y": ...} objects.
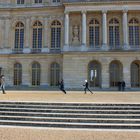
[{"x": 75, "y": 35}]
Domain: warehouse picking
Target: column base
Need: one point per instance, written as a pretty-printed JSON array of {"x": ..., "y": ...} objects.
[
  {"x": 104, "y": 47},
  {"x": 66, "y": 48},
  {"x": 26, "y": 50},
  {"x": 83, "y": 47},
  {"x": 126, "y": 47},
  {"x": 45, "y": 50}
]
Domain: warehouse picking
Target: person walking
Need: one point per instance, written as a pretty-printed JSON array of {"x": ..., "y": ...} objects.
[
  {"x": 2, "y": 81},
  {"x": 86, "y": 87},
  {"x": 123, "y": 85},
  {"x": 119, "y": 86},
  {"x": 62, "y": 86}
]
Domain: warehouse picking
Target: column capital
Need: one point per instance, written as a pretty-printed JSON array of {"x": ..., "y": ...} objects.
[
  {"x": 125, "y": 10},
  {"x": 104, "y": 11},
  {"x": 66, "y": 12},
  {"x": 83, "y": 11}
]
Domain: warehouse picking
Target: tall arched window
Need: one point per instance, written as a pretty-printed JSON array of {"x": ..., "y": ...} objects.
[
  {"x": 94, "y": 35},
  {"x": 94, "y": 74},
  {"x": 116, "y": 73},
  {"x": 135, "y": 74},
  {"x": 17, "y": 74},
  {"x": 134, "y": 40},
  {"x": 55, "y": 74},
  {"x": 19, "y": 36},
  {"x": 36, "y": 73},
  {"x": 37, "y": 36},
  {"x": 55, "y": 35},
  {"x": 114, "y": 33}
]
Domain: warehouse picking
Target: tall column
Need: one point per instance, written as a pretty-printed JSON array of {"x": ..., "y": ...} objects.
[
  {"x": 7, "y": 33},
  {"x": 27, "y": 36},
  {"x": 45, "y": 32},
  {"x": 27, "y": 33},
  {"x": 45, "y": 39},
  {"x": 1, "y": 34},
  {"x": 66, "y": 38},
  {"x": 105, "y": 73},
  {"x": 104, "y": 26},
  {"x": 84, "y": 24},
  {"x": 127, "y": 72},
  {"x": 125, "y": 30}
]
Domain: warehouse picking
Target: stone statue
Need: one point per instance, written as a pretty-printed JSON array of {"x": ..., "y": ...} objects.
[{"x": 75, "y": 35}]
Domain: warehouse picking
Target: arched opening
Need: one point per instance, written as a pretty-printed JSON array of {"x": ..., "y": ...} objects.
[
  {"x": 19, "y": 37},
  {"x": 135, "y": 74},
  {"x": 116, "y": 73},
  {"x": 134, "y": 33},
  {"x": 94, "y": 33},
  {"x": 114, "y": 34},
  {"x": 17, "y": 74},
  {"x": 94, "y": 74},
  {"x": 36, "y": 74},
  {"x": 55, "y": 35},
  {"x": 37, "y": 37},
  {"x": 55, "y": 74}
]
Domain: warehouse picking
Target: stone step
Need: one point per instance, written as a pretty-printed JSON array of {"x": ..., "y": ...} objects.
[
  {"x": 66, "y": 104},
  {"x": 49, "y": 111},
  {"x": 70, "y": 120},
  {"x": 70, "y": 115},
  {"x": 70, "y": 107},
  {"x": 71, "y": 125},
  {"x": 63, "y": 109},
  {"x": 66, "y": 115}
]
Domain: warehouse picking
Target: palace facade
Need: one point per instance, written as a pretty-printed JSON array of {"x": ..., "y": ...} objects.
[{"x": 43, "y": 41}]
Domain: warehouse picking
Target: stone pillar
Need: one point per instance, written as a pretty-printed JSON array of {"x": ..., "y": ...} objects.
[
  {"x": 27, "y": 36},
  {"x": 125, "y": 30},
  {"x": 84, "y": 33},
  {"x": 26, "y": 71},
  {"x": 105, "y": 73},
  {"x": 1, "y": 33},
  {"x": 104, "y": 30},
  {"x": 45, "y": 39},
  {"x": 45, "y": 33},
  {"x": 7, "y": 33},
  {"x": 44, "y": 73},
  {"x": 127, "y": 74},
  {"x": 66, "y": 39}
]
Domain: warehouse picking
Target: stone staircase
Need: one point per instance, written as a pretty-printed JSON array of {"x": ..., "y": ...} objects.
[{"x": 70, "y": 115}]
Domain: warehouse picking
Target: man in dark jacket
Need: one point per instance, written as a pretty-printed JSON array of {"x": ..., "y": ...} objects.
[
  {"x": 62, "y": 86},
  {"x": 123, "y": 85},
  {"x": 119, "y": 86},
  {"x": 86, "y": 87}
]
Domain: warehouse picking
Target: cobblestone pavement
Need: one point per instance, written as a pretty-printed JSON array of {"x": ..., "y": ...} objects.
[{"x": 20, "y": 133}]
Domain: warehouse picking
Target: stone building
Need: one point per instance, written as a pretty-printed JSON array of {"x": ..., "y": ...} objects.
[{"x": 42, "y": 41}]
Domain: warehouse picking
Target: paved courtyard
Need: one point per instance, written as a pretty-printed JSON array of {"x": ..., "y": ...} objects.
[{"x": 23, "y": 133}]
